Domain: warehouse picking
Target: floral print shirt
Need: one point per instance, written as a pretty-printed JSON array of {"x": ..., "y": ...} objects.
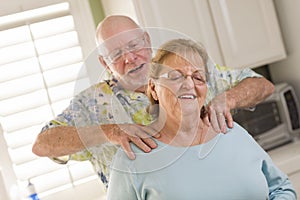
[{"x": 109, "y": 103}]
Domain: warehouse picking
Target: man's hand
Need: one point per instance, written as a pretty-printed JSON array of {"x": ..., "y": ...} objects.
[
  {"x": 123, "y": 134},
  {"x": 247, "y": 93},
  {"x": 219, "y": 113}
]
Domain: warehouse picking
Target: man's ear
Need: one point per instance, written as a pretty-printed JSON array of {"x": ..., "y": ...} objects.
[
  {"x": 103, "y": 63},
  {"x": 148, "y": 40},
  {"x": 153, "y": 90}
]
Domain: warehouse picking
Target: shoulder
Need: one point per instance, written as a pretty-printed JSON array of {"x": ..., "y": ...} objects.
[
  {"x": 242, "y": 140},
  {"x": 121, "y": 154},
  {"x": 237, "y": 128},
  {"x": 121, "y": 162},
  {"x": 158, "y": 158},
  {"x": 92, "y": 96},
  {"x": 102, "y": 87},
  {"x": 239, "y": 132}
]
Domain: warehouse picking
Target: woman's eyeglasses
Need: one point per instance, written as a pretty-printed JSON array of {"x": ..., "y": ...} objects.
[{"x": 176, "y": 76}]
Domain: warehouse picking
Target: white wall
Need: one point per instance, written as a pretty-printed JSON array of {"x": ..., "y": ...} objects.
[{"x": 289, "y": 69}]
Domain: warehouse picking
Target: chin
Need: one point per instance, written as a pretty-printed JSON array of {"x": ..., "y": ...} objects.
[
  {"x": 134, "y": 84},
  {"x": 191, "y": 110},
  {"x": 138, "y": 80}
]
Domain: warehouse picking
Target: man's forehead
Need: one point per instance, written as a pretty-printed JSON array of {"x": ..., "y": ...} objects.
[{"x": 119, "y": 40}]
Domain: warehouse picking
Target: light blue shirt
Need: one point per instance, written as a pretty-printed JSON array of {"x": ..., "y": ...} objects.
[{"x": 231, "y": 166}]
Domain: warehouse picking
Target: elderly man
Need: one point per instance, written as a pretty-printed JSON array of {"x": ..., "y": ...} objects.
[{"x": 112, "y": 109}]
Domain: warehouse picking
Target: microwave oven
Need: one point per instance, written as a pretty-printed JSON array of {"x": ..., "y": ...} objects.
[{"x": 275, "y": 121}]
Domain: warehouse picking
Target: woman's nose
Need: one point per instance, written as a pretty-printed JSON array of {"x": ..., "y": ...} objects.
[{"x": 188, "y": 82}]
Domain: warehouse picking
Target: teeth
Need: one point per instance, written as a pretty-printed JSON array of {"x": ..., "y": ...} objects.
[
  {"x": 135, "y": 69},
  {"x": 187, "y": 97}
]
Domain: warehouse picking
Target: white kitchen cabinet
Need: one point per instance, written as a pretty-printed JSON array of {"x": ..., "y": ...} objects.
[
  {"x": 186, "y": 16},
  {"x": 235, "y": 33}
]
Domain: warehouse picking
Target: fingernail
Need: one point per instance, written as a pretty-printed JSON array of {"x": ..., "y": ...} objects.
[
  {"x": 131, "y": 156},
  {"x": 153, "y": 146},
  {"x": 148, "y": 149}
]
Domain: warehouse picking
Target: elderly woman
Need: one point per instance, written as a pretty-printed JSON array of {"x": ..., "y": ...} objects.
[{"x": 193, "y": 161}]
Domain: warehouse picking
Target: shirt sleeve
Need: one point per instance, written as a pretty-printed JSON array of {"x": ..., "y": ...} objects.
[
  {"x": 74, "y": 115},
  {"x": 222, "y": 78},
  {"x": 85, "y": 109},
  {"x": 120, "y": 187},
  {"x": 234, "y": 75},
  {"x": 280, "y": 187}
]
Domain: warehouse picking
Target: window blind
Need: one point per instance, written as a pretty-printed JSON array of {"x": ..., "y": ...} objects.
[{"x": 41, "y": 58}]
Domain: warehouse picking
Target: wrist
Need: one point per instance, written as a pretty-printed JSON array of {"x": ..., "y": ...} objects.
[{"x": 230, "y": 100}]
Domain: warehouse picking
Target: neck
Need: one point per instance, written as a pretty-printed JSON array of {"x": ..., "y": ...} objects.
[
  {"x": 184, "y": 132},
  {"x": 141, "y": 89}
]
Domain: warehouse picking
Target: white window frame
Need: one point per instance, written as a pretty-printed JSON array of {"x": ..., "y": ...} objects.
[{"x": 85, "y": 26}]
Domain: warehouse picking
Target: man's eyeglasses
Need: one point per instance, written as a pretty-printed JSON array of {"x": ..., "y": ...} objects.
[
  {"x": 176, "y": 76},
  {"x": 132, "y": 46}
]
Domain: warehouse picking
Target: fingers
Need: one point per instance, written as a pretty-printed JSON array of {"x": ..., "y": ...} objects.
[
  {"x": 219, "y": 113},
  {"x": 221, "y": 122},
  {"x": 157, "y": 135},
  {"x": 151, "y": 132},
  {"x": 204, "y": 116},
  {"x": 125, "y": 144},
  {"x": 127, "y": 148},
  {"x": 145, "y": 133},
  {"x": 206, "y": 120},
  {"x": 214, "y": 121},
  {"x": 148, "y": 131},
  {"x": 154, "y": 128},
  {"x": 229, "y": 119},
  {"x": 138, "y": 136},
  {"x": 146, "y": 144},
  {"x": 126, "y": 133}
]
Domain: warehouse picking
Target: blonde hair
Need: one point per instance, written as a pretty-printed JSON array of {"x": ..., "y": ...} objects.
[{"x": 184, "y": 48}]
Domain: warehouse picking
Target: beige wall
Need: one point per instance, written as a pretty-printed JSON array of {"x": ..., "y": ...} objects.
[{"x": 288, "y": 70}]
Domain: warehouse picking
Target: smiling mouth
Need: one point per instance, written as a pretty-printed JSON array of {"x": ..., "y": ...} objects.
[
  {"x": 136, "y": 69},
  {"x": 187, "y": 97}
]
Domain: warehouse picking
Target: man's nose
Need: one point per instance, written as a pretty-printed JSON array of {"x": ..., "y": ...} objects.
[{"x": 129, "y": 57}]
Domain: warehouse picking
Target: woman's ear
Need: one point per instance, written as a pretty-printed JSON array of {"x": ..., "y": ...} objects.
[
  {"x": 103, "y": 63},
  {"x": 153, "y": 90}
]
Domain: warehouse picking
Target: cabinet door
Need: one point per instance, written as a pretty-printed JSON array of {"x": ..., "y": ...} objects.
[
  {"x": 248, "y": 32},
  {"x": 191, "y": 17}
]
